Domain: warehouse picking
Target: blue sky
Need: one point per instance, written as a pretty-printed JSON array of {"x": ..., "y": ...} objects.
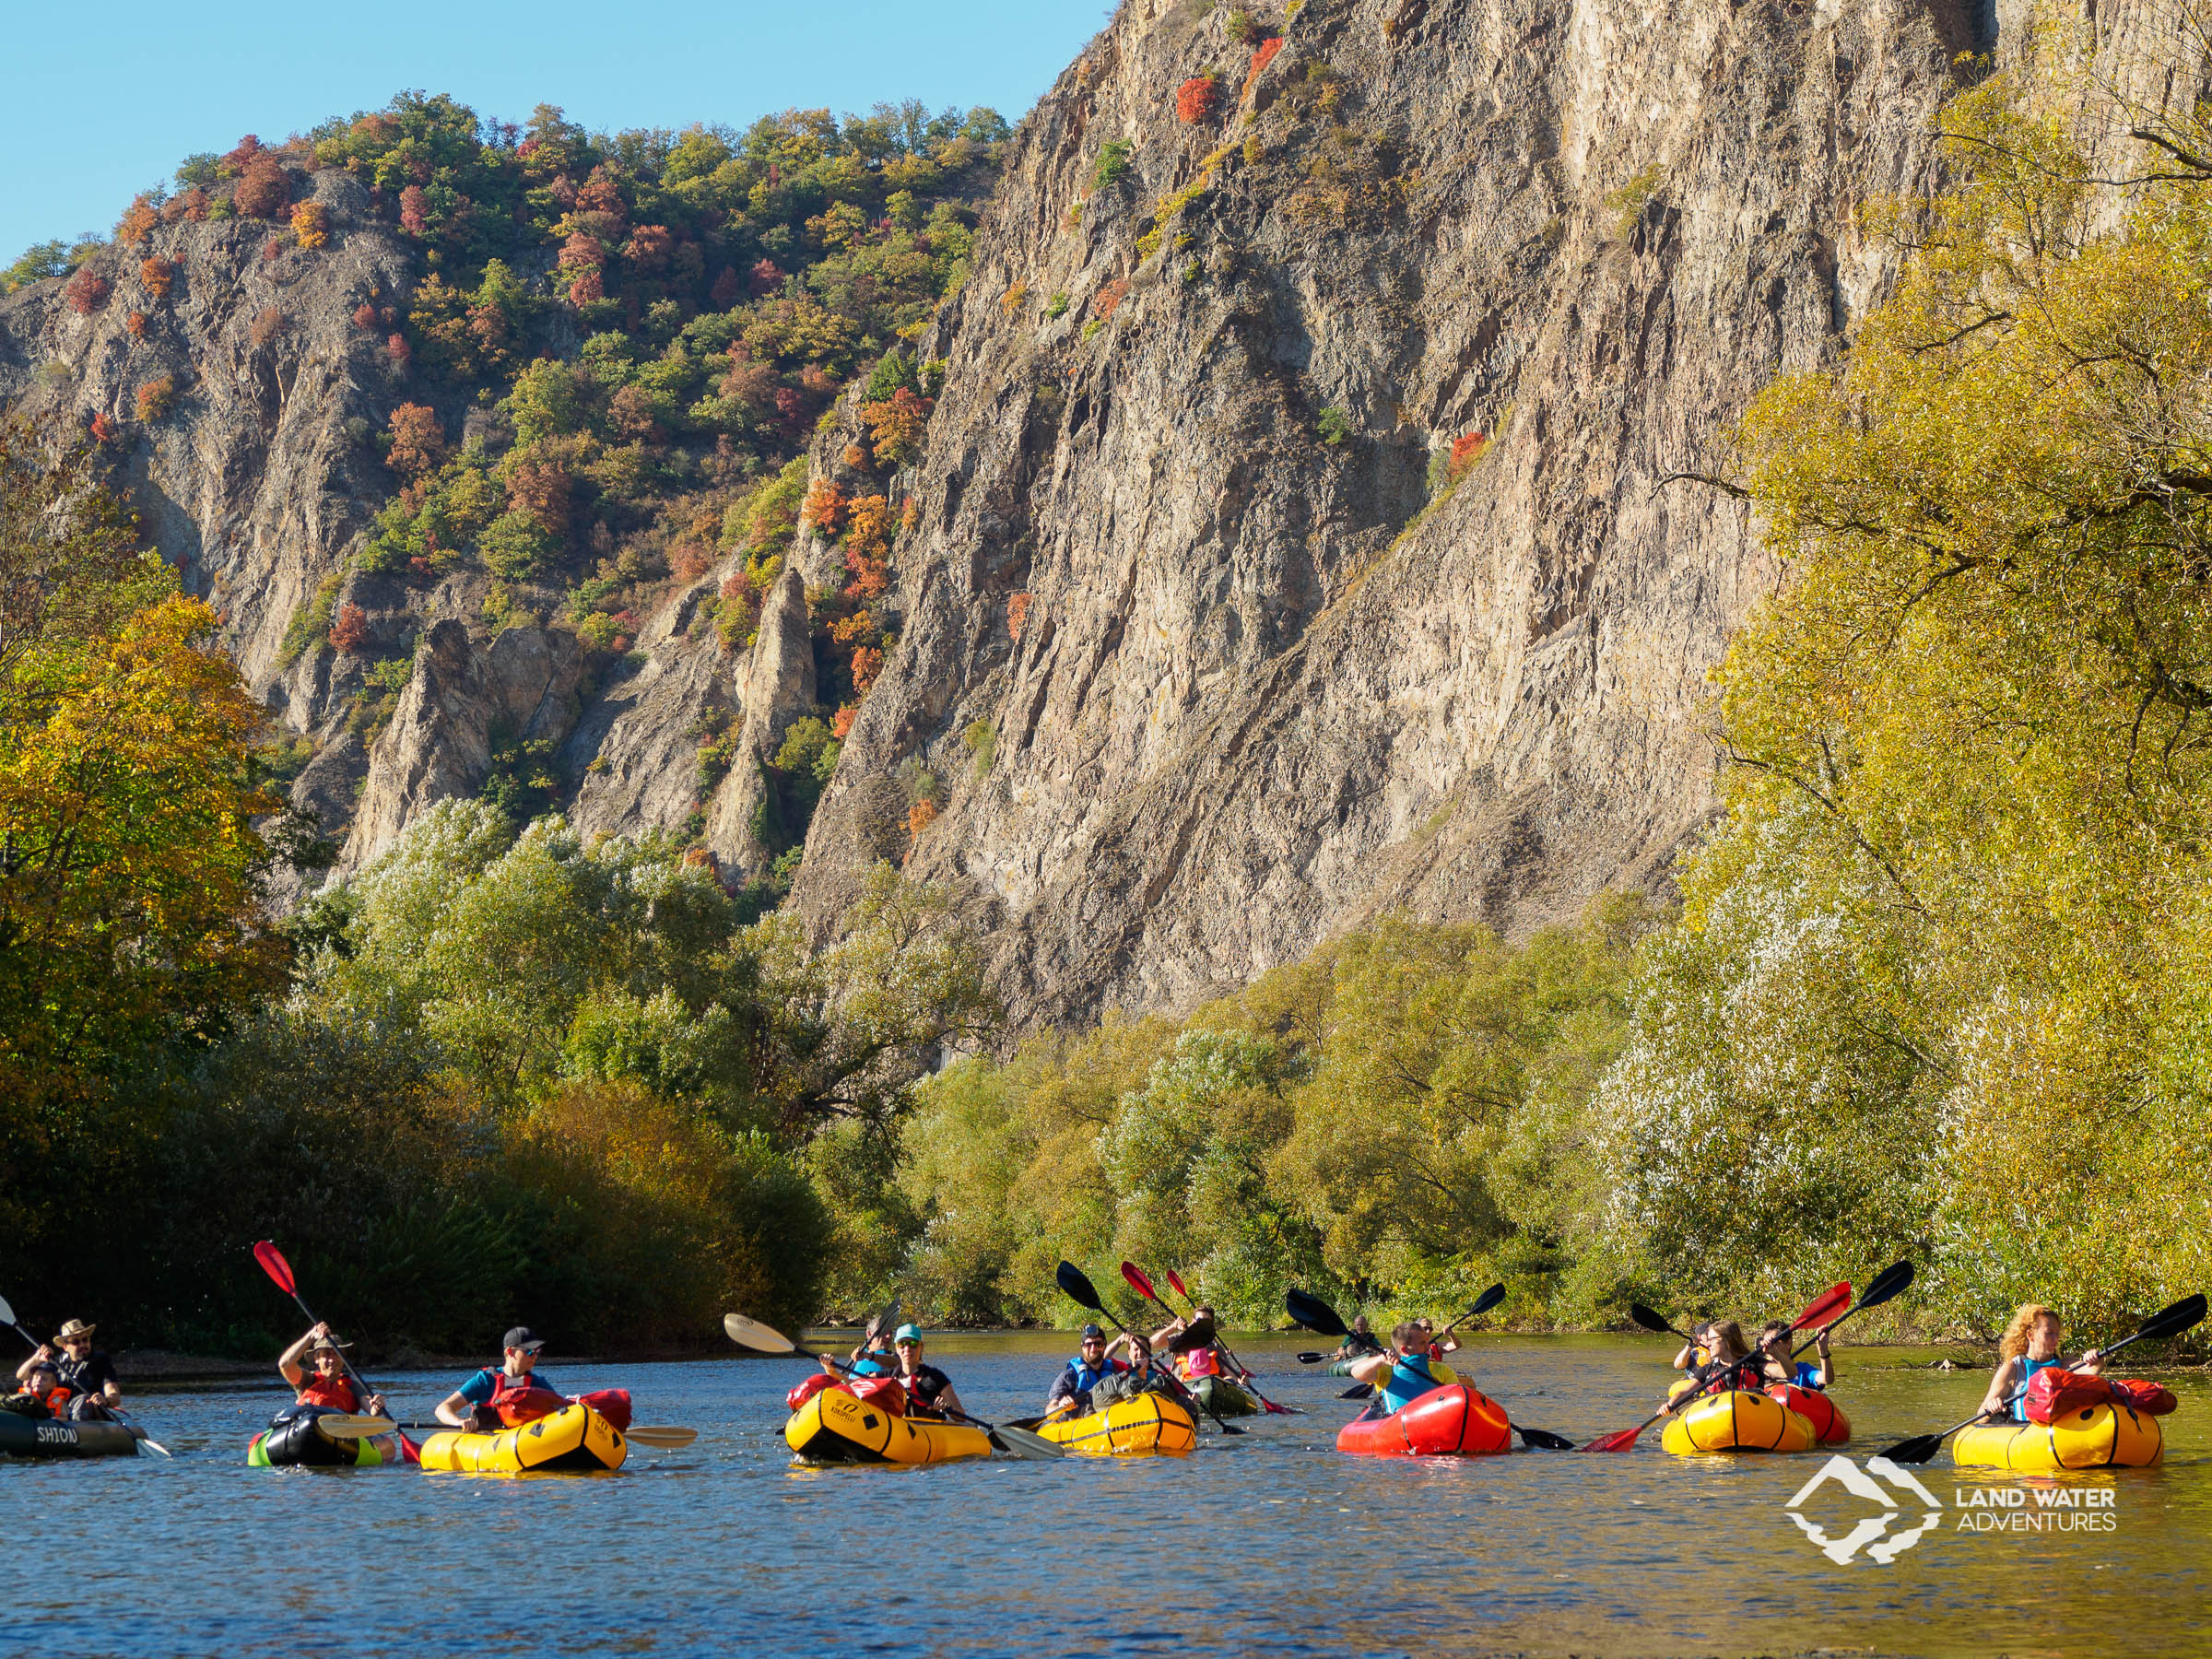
[{"x": 105, "y": 102}]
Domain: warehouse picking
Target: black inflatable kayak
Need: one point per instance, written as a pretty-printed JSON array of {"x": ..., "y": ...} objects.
[{"x": 33, "y": 1437}]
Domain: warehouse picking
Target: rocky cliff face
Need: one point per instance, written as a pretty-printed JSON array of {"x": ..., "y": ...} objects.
[
  {"x": 1293, "y": 540},
  {"x": 1244, "y": 680}
]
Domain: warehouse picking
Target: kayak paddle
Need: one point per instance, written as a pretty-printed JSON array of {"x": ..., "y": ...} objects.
[
  {"x": 1143, "y": 1286},
  {"x": 280, "y": 1271},
  {"x": 340, "y": 1425},
  {"x": 766, "y": 1339},
  {"x": 1078, "y": 1290},
  {"x": 1315, "y": 1314},
  {"x": 1890, "y": 1282},
  {"x": 8, "y": 1317},
  {"x": 1825, "y": 1306},
  {"x": 2172, "y": 1322}
]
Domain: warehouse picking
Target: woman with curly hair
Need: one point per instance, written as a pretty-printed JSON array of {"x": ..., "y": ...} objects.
[{"x": 2029, "y": 1345}]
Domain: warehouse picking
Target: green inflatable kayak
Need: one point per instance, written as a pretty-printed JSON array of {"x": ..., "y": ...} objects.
[
  {"x": 1223, "y": 1398},
  {"x": 1343, "y": 1368}
]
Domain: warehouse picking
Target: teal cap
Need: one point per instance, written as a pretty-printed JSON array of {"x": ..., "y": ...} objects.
[{"x": 908, "y": 1333}]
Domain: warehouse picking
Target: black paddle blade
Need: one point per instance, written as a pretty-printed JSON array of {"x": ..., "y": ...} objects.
[
  {"x": 1543, "y": 1439},
  {"x": 1359, "y": 1390},
  {"x": 1308, "y": 1311},
  {"x": 1484, "y": 1303},
  {"x": 1917, "y": 1449},
  {"x": 2188, "y": 1312},
  {"x": 1311, "y": 1358},
  {"x": 1888, "y": 1283},
  {"x": 1197, "y": 1335},
  {"x": 1651, "y": 1318},
  {"x": 1077, "y": 1288}
]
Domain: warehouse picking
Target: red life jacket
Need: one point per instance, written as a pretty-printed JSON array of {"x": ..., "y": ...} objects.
[{"x": 336, "y": 1392}]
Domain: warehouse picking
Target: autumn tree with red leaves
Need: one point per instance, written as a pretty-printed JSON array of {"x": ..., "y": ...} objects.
[
  {"x": 349, "y": 633},
  {"x": 1195, "y": 99}
]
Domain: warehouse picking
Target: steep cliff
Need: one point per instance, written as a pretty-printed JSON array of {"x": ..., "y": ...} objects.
[{"x": 1204, "y": 668}]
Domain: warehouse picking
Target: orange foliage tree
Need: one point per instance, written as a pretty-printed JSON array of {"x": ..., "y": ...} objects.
[
  {"x": 896, "y": 425},
  {"x": 156, "y": 276},
  {"x": 310, "y": 224},
  {"x": 349, "y": 631},
  {"x": 417, "y": 440},
  {"x": 824, "y": 510},
  {"x": 155, "y": 396},
  {"x": 87, "y": 291},
  {"x": 138, "y": 221},
  {"x": 263, "y": 188}
]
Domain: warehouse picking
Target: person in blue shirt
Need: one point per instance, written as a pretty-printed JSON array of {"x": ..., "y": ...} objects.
[
  {"x": 1407, "y": 1371},
  {"x": 1093, "y": 1364},
  {"x": 2029, "y": 1345},
  {"x": 474, "y": 1405},
  {"x": 1774, "y": 1347}
]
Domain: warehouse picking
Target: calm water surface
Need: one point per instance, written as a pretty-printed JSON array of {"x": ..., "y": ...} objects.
[{"x": 1270, "y": 1542}]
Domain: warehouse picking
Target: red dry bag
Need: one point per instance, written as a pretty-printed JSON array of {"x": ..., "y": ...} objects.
[
  {"x": 808, "y": 1389},
  {"x": 2149, "y": 1398},
  {"x": 2053, "y": 1394},
  {"x": 613, "y": 1404},
  {"x": 526, "y": 1406},
  {"x": 882, "y": 1392}
]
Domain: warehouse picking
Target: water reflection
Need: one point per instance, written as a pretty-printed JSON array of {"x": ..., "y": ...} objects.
[{"x": 1270, "y": 1541}]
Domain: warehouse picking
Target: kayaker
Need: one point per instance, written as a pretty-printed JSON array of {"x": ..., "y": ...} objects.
[
  {"x": 328, "y": 1386},
  {"x": 1360, "y": 1343},
  {"x": 1207, "y": 1360},
  {"x": 1437, "y": 1350},
  {"x": 1133, "y": 1376},
  {"x": 873, "y": 1357},
  {"x": 88, "y": 1374},
  {"x": 1092, "y": 1364},
  {"x": 1731, "y": 1365},
  {"x": 1404, "y": 1374},
  {"x": 1694, "y": 1351},
  {"x": 1774, "y": 1353},
  {"x": 929, "y": 1391},
  {"x": 42, "y": 1381},
  {"x": 2029, "y": 1345},
  {"x": 474, "y": 1405}
]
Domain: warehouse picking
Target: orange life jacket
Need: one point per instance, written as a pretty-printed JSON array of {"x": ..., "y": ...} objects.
[
  {"x": 1201, "y": 1362},
  {"x": 334, "y": 1394}
]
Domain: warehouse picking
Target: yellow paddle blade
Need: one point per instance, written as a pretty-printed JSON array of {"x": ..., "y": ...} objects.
[
  {"x": 752, "y": 1333},
  {"x": 343, "y": 1426},
  {"x": 660, "y": 1435}
]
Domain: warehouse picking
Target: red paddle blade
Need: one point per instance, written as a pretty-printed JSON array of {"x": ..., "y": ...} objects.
[
  {"x": 1620, "y": 1440},
  {"x": 1179, "y": 1290},
  {"x": 1825, "y": 1307},
  {"x": 273, "y": 1263},
  {"x": 1138, "y": 1282}
]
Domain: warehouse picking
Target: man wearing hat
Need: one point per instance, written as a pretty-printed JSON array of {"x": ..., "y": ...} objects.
[
  {"x": 87, "y": 1375},
  {"x": 1071, "y": 1388},
  {"x": 330, "y": 1387},
  {"x": 927, "y": 1388},
  {"x": 474, "y": 1405}
]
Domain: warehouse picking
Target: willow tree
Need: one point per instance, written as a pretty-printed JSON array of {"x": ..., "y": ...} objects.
[{"x": 1939, "y": 976}]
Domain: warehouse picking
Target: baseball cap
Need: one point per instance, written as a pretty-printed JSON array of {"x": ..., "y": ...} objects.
[
  {"x": 1092, "y": 1330},
  {"x": 908, "y": 1333},
  {"x": 523, "y": 1336}
]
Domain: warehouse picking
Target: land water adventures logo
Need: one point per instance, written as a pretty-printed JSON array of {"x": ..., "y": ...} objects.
[{"x": 1870, "y": 1537}]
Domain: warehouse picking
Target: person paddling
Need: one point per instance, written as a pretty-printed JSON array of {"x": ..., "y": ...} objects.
[
  {"x": 1779, "y": 1364},
  {"x": 87, "y": 1376},
  {"x": 1404, "y": 1374},
  {"x": 476, "y": 1403},
  {"x": 1694, "y": 1351},
  {"x": 2029, "y": 1345},
  {"x": 929, "y": 1391},
  {"x": 1360, "y": 1343},
  {"x": 328, "y": 1385},
  {"x": 1092, "y": 1365}
]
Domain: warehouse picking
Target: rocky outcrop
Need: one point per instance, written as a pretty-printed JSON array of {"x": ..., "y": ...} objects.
[{"x": 1246, "y": 679}]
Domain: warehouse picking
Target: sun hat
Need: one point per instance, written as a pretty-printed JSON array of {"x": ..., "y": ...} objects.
[
  {"x": 74, "y": 1327},
  {"x": 327, "y": 1345}
]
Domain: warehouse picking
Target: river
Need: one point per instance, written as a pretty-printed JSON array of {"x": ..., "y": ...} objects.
[{"x": 1268, "y": 1542}]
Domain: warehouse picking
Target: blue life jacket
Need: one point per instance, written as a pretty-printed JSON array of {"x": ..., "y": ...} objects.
[
  {"x": 1409, "y": 1379},
  {"x": 2027, "y": 1370},
  {"x": 870, "y": 1365},
  {"x": 1083, "y": 1378},
  {"x": 1808, "y": 1376}
]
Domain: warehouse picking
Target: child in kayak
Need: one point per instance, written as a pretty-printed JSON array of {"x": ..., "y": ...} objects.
[
  {"x": 2029, "y": 1345},
  {"x": 42, "y": 1381}
]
